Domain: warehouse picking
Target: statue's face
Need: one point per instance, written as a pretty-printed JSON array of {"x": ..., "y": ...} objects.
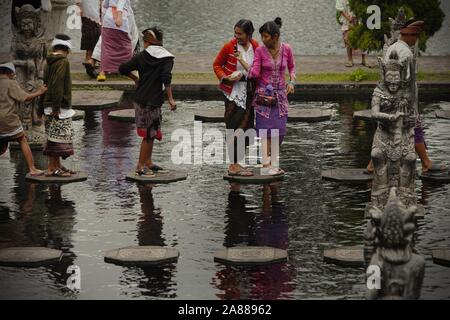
[
  {"x": 393, "y": 81},
  {"x": 27, "y": 27}
]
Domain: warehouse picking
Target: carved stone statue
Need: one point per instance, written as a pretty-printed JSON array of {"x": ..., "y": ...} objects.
[
  {"x": 393, "y": 152},
  {"x": 402, "y": 271},
  {"x": 28, "y": 50}
]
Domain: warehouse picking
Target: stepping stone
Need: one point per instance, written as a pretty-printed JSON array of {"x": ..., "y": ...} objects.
[
  {"x": 79, "y": 115},
  {"x": 295, "y": 115},
  {"x": 79, "y": 176},
  {"x": 29, "y": 256},
  {"x": 251, "y": 255},
  {"x": 437, "y": 177},
  {"x": 126, "y": 115},
  {"x": 441, "y": 256},
  {"x": 95, "y": 99},
  {"x": 443, "y": 114},
  {"x": 141, "y": 256},
  {"x": 257, "y": 178},
  {"x": 347, "y": 175},
  {"x": 365, "y": 115},
  {"x": 420, "y": 214},
  {"x": 160, "y": 178},
  {"x": 345, "y": 256},
  {"x": 309, "y": 115}
]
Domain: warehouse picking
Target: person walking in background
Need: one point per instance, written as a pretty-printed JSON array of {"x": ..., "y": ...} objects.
[
  {"x": 270, "y": 102},
  {"x": 347, "y": 19},
  {"x": 231, "y": 67},
  {"x": 90, "y": 31},
  {"x": 116, "y": 45}
]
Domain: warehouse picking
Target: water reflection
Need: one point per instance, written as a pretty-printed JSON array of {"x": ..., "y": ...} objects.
[
  {"x": 265, "y": 226},
  {"x": 154, "y": 281}
]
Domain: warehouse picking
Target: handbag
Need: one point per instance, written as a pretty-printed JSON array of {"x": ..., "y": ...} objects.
[{"x": 266, "y": 97}]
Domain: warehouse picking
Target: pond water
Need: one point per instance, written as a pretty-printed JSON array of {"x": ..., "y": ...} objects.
[
  {"x": 204, "y": 25},
  {"x": 199, "y": 216}
]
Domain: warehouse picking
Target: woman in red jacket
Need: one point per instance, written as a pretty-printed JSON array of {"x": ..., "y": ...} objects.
[{"x": 231, "y": 67}]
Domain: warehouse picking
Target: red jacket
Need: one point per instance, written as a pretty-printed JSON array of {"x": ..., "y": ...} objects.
[{"x": 226, "y": 63}]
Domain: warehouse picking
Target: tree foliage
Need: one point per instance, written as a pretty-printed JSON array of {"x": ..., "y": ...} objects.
[{"x": 372, "y": 40}]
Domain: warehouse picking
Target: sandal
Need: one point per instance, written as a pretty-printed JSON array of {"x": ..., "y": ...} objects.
[
  {"x": 241, "y": 173},
  {"x": 146, "y": 172},
  {"x": 272, "y": 171},
  {"x": 349, "y": 64},
  {"x": 90, "y": 70},
  {"x": 68, "y": 170},
  {"x": 156, "y": 168},
  {"x": 40, "y": 173},
  {"x": 367, "y": 65},
  {"x": 437, "y": 168},
  {"x": 58, "y": 173}
]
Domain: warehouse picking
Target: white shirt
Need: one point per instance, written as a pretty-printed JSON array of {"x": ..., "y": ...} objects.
[
  {"x": 108, "y": 21},
  {"x": 239, "y": 93},
  {"x": 344, "y": 6}
]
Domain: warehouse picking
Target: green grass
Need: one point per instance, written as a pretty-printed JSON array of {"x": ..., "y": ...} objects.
[{"x": 209, "y": 78}]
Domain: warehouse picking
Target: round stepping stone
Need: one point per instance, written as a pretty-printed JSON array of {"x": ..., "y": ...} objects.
[
  {"x": 365, "y": 115},
  {"x": 420, "y": 214},
  {"x": 257, "y": 178},
  {"x": 441, "y": 256},
  {"x": 79, "y": 176},
  {"x": 141, "y": 255},
  {"x": 345, "y": 256},
  {"x": 79, "y": 115},
  {"x": 126, "y": 115},
  {"x": 29, "y": 256},
  {"x": 347, "y": 175},
  {"x": 309, "y": 115},
  {"x": 295, "y": 115},
  {"x": 251, "y": 255},
  {"x": 443, "y": 114},
  {"x": 160, "y": 178},
  {"x": 438, "y": 177},
  {"x": 95, "y": 99}
]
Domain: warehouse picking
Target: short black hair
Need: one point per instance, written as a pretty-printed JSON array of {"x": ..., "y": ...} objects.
[
  {"x": 272, "y": 27},
  {"x": 246, "y": 26},
  {"x": 157, "y": 31}
]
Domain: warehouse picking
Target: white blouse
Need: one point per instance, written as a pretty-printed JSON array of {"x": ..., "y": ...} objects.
[{"x": 239, "y": 93}]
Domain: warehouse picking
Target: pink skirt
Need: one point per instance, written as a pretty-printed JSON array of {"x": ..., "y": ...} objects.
[{"x": 116, "y": 49}]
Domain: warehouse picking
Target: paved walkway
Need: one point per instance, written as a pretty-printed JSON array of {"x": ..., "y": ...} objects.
[{"x": 202, "y": 63}]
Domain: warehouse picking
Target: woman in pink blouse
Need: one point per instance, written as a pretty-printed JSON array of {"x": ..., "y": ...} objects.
[{"x": 269, "y": 66}]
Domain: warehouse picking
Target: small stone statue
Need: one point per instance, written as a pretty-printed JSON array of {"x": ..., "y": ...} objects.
[
  {"x": 28, "y": 49},
  {"x": 402, "y": 271}
]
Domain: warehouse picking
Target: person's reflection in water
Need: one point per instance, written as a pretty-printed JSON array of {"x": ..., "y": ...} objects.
[
  {"x": 156, "y": 281},
  {"x": 248, "y": 228}
]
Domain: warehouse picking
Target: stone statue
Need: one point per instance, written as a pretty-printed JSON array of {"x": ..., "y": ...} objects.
[
  {"x": 402, "y": 271},
  {"x": 28, "y": 50},
  {"x": 393, "y": 152}
]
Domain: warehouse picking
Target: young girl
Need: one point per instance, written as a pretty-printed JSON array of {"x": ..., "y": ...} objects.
[
  {"x": 57, "y": 103},
  {"x": 231, "y": 67},
  {"x": 271, "y": 104}
]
